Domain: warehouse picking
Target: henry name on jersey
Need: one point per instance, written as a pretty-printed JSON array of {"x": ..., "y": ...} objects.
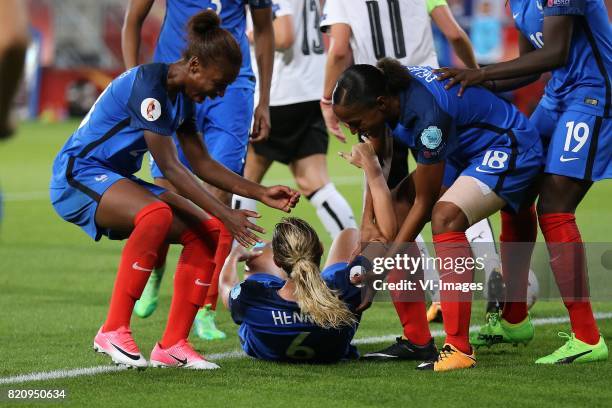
[{"x": 285, "y": 318}]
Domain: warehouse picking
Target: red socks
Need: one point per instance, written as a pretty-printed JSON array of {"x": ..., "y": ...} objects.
[
  {"x": 412, "y": 310},
  {"x": 139, "y": 257},
  {"x": 223, "y": 249},
  {"x": 456, "y": 305},
  {"x": 517, "y": 239},
  {"x": 191, "y": 281},
  {"x": 568, "y": 262},
  {"x": 163, "y": 253}
]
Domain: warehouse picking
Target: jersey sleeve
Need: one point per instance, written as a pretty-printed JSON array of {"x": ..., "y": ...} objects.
[
  {"x": 236, "y": 306},
  {"x": 434, "y": 135},
  {"x": 334, "y": 12},
  {"x": 281, "y": 8},
  {"x": 338, "y": 278},
  {"x": 148, "y": 104},
  {"x": 564, "y": 8},
  {"x": 248, "y": 293},
  {"x": 258, "y": 4},
  {"x": 432, "y": 4}
]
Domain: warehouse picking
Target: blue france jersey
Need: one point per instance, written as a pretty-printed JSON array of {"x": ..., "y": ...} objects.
[
  {"x": 112, "y": 133},
  {"x": 272, "y": 328},
  {"x": 173, "y": 36},
  {"x": 442, "y": 126},
  {"x": 584, "y": 83}
]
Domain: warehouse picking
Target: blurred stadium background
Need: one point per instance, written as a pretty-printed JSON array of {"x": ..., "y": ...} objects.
[{"x": 76, "y": 50}]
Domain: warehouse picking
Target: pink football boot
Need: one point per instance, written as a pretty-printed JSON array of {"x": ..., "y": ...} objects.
[
  {"x": 120, "y": 346},
  {"x": 181, "y": 355}
]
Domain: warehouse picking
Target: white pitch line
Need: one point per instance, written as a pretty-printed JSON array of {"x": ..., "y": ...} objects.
[
  {"x": 88, "y": 371},
  {"x": 44, "y": 195}
]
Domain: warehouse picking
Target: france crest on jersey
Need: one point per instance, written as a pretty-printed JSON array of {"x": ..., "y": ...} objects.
[
  {"x": 173, "y": 37},
  {"x": 478, "y": 134},
  {"x": 272, "y": 328},
  {"x": 584, "y": 83}
]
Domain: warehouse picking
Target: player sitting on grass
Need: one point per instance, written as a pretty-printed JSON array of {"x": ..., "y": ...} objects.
[
  {"x": 94, "y": 187},
  {"x": 476, "y": 155},
  {"x": 287, "y": 308},
  {"x": 290, "y": 310}
]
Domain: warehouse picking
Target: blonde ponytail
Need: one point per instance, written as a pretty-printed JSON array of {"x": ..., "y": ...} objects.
[
  {"x": 298, "y": 251},
  {"x": 316, "y": 299}
]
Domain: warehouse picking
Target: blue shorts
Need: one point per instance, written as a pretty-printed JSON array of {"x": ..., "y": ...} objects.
[
  {"x": 577, "y": 144},
  {"x": 509, "y": 172},
  {"x": 77, "y": 190},
  {"x": 225, "y": 124}
]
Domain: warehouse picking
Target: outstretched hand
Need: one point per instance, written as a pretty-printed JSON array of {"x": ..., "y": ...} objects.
[
  {"x": 281, "y": 197},
  {"x": 361, "y": 154},
  {"x": 261, "y": 124},
  {"x": 243, "y": 254},
  {"x": 466, "y": 77},
  {"x": 331, "y": 121},
  {"x": 241, "y": 227}
]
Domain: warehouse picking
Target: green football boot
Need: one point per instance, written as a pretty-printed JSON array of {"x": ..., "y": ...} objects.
[
  {"x": 146, "y": 305},
  {"x": 499, "y": 331},
  {"x": 204, "y": 325},
  {"x": 576, "y": 351}
]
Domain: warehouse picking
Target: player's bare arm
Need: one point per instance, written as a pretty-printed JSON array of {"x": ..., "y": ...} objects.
[
  {"x": 228, "y": 277},
  {"x": 284, "y": 35},
  {"x": 263, "y": 38},
  {"x": 14, "y": 40},
  {"x": 505, "y": 85},
  {"x": 455, "y": 35},
  {"x": 553, "y": 54},
  {"x": 428, "y": 183},
  {"x": 164, "y": 152},
  {"x": 135, "y": 14},
  {"x": 364, "y": 156},
  {"x": 339, "y": 58},
  {"x": 210, "y": 171}
]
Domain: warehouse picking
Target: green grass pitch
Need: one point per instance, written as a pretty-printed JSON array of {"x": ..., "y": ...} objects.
[{"x": 55, "y": 285}]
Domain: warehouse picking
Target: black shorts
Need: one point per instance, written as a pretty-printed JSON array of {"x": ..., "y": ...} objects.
[{"x": 298, "y": 131}]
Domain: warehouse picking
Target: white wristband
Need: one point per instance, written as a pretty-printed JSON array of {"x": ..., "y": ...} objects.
[{"x": 326, "y": 101}]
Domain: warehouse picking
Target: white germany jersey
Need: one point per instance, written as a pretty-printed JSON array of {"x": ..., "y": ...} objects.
[
  {"x": 299, "y": 71},
  {"x": 400, "y": 29}
]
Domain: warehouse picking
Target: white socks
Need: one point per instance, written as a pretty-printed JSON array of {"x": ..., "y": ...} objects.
[
  {"x": 332, "y": 209},
  {"x": 480, "y": 237}
]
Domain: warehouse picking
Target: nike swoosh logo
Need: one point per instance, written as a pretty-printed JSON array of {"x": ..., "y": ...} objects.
[
  {"x": 380, "y": 355},
  {"x": 140, "y": 268},
  {"x": 570, "y": 359},
  {"x": 477, "y": 237},
  {"x": 567, "y": 159},
  {"x": 478, "y": 169},
  {"x": 200, "y": 283},
  {"x": 514, "y": 16},
  {"x": 183, "y": 362},
  {"x": 125, "y": 353}
]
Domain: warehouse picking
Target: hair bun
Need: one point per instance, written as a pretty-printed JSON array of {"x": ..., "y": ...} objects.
[{"x": 204, "y": 22}]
